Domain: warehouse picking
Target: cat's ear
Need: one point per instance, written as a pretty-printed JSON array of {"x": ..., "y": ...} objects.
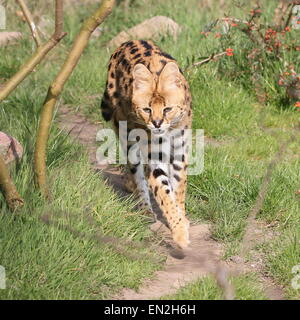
[
  {"x": 169, "y": 79},
  {"x": 142, "y": 79}
]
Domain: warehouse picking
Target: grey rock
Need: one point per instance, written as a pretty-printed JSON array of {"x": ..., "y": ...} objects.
[{"x": 10, "y": 149}]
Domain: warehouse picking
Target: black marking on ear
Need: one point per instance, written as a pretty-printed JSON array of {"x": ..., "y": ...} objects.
[
  {"x": 177, "y": 177},
  {"x": 129, "y": 44},
  {"x": 118, "y": 53},
  {"x": 158, "y": 172},
  {"x": 146, "y": 45},
  {"x": 166, "y": 55}
]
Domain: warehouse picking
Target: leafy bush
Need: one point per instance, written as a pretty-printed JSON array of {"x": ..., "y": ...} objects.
[{"x": 264, "y": 48}]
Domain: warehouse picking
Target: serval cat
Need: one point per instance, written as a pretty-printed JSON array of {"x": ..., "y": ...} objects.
[{"x": 146, "y": 88}]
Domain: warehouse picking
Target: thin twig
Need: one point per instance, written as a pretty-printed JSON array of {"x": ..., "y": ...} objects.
[
  {"x": 288, "y": 20},
  {"x": 30, "y": 22},
  {"x": 226, "y": 19},
  {"x": 210, "y": 58},
  {"x": 57, "y": 86},
  {"x": 59, "y": 18},
  {"x": 37, "y": 57}
]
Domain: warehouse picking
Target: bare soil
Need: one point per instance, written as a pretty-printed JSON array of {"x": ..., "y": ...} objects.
[{"x": 204, "y": 256}]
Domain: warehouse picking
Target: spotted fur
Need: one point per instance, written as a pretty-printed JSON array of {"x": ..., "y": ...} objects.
[{"x": 146, "y": 88}]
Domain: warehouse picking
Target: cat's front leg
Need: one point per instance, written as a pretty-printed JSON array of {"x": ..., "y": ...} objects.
[
  {"x": 178, "y": 166},
  {"x": 160, "y": 184},
  {"x": 136, "y": 170}
]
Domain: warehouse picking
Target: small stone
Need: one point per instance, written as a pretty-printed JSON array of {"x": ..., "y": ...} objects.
[
  {"x": 149, "y": 29},
  {"x": 9, "y": 38},
  {"x": 236, "y": 259},
  {"x": 10, "y": 149}
]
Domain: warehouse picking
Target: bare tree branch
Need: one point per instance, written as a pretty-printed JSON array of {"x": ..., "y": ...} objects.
[
  {"x": 59, "y": 19},
  {"x": 210, "y": 58},
  {"x": 38, "y": 56},
  {"x": 12, "y": 197},
  {"x": 30, "y": 22},
  {"x": 280, "y": 12},
  {"x": 56, "y": 88}
]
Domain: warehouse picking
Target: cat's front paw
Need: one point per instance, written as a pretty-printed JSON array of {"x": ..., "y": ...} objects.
[{"x": 181, "y": 234}]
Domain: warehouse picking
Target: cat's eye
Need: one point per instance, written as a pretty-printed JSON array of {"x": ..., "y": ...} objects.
[
  {"x": 167, "y": 110},
  {"x": 147, "y": 110}
]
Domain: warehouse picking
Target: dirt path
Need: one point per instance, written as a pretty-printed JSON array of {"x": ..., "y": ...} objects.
[{"x": 204, "y": 257}]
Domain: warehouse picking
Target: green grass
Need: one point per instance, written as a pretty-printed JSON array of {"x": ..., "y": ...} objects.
[
  {"x": 246, "y": 287},
  {"x": 50, "y": 262},
  {"x": 54, "y": 262},
  {"x": 65, "y": 259}
]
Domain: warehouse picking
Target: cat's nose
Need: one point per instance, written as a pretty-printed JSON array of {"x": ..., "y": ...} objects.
[{"x": 157, "y": 123}]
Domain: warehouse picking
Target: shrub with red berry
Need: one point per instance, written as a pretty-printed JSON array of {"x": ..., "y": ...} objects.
[{"x": 262, "y": 48}]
